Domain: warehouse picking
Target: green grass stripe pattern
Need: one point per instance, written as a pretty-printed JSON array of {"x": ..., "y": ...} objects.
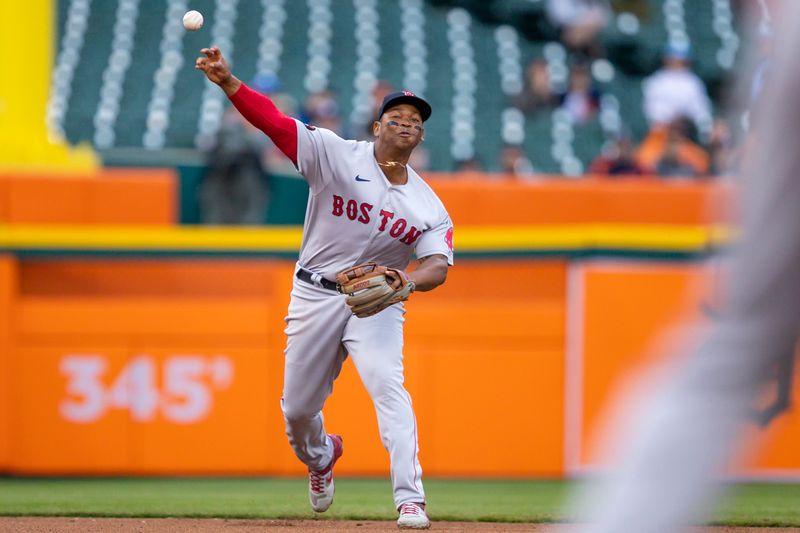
[{"x": 356, "y": 499}]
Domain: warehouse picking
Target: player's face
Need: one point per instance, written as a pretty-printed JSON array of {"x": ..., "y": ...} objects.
[{"x": 401, "y": 126}]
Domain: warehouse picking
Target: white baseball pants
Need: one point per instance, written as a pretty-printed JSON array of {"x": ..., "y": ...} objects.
[{"x": 321, "y": 331}]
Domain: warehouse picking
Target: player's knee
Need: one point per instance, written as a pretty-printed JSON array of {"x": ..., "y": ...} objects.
[{"x": 295, "y": 412}]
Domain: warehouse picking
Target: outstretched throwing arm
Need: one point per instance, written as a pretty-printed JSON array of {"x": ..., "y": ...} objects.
[{"x": 259, "y": 110}]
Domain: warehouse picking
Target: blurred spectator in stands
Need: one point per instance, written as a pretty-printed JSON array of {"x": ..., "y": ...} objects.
[
  {"x": 473, "y": 164},
  {"x": 322, "y": 110},
  {"x": 640, "y": 8},
  {"x": 270, "y": 85},
  {"x": 676, "y": 91},
  {"x": 616, "y": 159},
  {"x": 581, "y": 99},
  {"x": 722, "y": 149},
  {"x": 272, "y": 158},
  {"x": 235, "y": 188},
  {"x": 379, "y": 91},
  {"x": 579, "y": 23},
  {"x": 420, "y": 158},
  {"x": 670, "y": 151},
  {"x": 672, "y": 164},
  {"x": 537, "y": 92},
  {"x": 514, "y": 162}
]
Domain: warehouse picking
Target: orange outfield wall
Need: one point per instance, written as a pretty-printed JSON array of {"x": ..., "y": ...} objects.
[
  {"x": 630, "y": 315},
  {"x": 110, "y": 196},
  {"x": 8, "y": 288},
  {"x": 497, "y": 199},
  {"x": 149, "y": 196},
  {"x": 623, "y": 310},
  {"x": 175, "y": 366}
]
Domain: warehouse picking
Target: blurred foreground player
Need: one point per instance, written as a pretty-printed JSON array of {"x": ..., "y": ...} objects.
[
  {"x": 365, "y": 205},
  {"x": 691, "y": 428}
]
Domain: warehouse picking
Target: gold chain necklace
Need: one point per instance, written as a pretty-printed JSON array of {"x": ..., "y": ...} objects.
[{"x": 392, "y": 164}]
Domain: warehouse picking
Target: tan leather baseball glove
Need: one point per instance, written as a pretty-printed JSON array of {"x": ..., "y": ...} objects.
[{"x": 371, "y": 288}]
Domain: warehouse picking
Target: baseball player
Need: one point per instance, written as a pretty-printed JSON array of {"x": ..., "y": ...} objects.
[
  {"x": 366, "y": 205},
  {"x": 690, "y": 429}
]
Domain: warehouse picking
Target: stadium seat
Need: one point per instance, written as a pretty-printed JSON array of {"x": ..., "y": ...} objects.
[{"x": 452, "y": 50}]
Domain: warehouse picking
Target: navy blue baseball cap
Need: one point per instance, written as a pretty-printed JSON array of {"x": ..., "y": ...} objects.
[{"x": 406, "y": 97}]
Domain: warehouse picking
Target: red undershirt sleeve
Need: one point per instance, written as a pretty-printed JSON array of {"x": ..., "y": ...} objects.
[{"x": 261, "y": 112}]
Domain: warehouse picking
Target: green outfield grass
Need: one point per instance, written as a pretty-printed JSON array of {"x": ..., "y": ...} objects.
[{"x": 467, "y": 500}]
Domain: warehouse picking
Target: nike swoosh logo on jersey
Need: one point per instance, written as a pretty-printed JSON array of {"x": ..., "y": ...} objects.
[{"x": 359, "y": 178}]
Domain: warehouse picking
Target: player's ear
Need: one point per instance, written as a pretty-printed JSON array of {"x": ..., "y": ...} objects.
[{"x": 376, "y": 128}]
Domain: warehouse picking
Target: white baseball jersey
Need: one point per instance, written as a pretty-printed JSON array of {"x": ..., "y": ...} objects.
[{"x": 355, "y": 214}]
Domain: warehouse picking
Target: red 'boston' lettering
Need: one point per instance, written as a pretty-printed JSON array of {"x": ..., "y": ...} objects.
[
  {"x": 398, "y": 227},
  {"x": 412, "y": 235},
  {"x": 352, "y": 209},
  {"x": 338, "y": 204},
  {"x": 363, "y": 213},
  {"x": 365, "y": 209},
  {"x": 386, "y": 215}
]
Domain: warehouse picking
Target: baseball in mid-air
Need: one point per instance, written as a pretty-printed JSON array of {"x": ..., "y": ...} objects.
[{"x": 193, "y": 20}]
